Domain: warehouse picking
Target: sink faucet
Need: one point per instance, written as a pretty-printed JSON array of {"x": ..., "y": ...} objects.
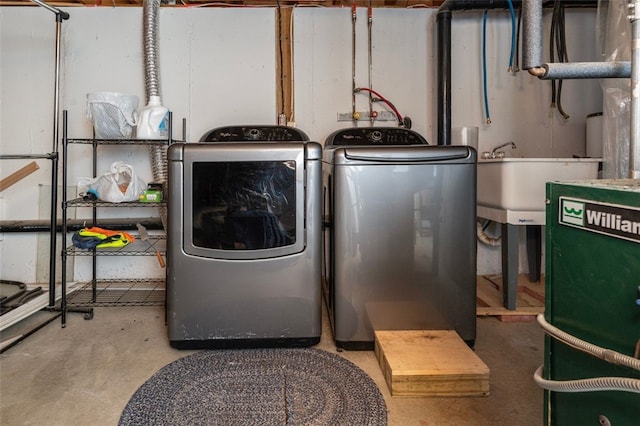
[{"x": 495, "y": 153}]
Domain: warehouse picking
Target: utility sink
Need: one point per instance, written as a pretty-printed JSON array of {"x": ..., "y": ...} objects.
[{"x": 520, "y": 183}]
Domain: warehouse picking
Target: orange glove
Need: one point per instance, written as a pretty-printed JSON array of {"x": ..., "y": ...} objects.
[{"x": 109, "y": 233}]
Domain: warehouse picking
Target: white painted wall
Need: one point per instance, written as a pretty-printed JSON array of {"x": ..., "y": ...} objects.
[{"x": 218, "y": 68}]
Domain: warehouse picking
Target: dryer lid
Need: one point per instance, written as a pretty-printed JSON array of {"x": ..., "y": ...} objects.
[{"x": 254, "y": 133}]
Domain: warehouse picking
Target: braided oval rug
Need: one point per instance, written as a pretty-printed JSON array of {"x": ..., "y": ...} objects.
[{"x": 258, "y": 387}]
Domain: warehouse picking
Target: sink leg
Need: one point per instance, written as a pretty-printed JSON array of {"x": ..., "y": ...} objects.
[
  {"x": 534, "y": 251},
  {"x": 510, "y": 234}
]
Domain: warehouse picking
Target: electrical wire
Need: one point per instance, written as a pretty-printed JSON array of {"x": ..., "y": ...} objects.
[
  {"x": 516, "y": 65},
  {"x": 513, "y": 34},
  {"x": 484, "y": 66},
  {"x": 382, "y": 99},
  {"x": 558, "y": 47},
  {"x": 562, "y": 54}
]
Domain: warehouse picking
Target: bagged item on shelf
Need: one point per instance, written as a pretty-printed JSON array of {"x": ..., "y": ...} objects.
[
  {"x": 120, "y": 184},
  {"x": 113, "y": 114},
  {"x": 95, "y": 237}
]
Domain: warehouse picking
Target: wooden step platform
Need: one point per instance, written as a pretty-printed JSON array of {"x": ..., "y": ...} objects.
[
  {"x": 430, "y": 363},
  {"x": 529, "y": 302}
]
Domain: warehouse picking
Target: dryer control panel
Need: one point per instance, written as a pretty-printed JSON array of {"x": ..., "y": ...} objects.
[
  {"x": 254, "y": 134},
  {"x": 375, "y": 136}
]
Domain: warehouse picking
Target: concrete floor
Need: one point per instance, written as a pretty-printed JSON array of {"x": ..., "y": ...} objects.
[{"x": 85, "y": 373}]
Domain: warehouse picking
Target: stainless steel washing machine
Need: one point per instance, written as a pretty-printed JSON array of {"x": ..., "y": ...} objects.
[
  {"x": 244, "y": 241},
  {"x": 399, "y": 235}
]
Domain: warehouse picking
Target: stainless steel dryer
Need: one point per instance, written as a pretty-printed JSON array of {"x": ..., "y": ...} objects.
[
  {"x": 399, "y": 235},
  {"x": 244, "y": 241}
]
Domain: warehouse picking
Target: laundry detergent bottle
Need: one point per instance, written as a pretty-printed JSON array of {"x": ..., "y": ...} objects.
[{"x": 154, "y": 120}]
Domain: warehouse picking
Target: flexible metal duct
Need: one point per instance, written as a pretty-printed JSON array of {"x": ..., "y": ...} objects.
[
  {"x": 150, "y": 12},
  {"x": 158, "y": 153}
]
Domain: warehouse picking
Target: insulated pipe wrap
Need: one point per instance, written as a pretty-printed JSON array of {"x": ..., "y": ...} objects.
[
  {"x": 586, "y": 70},
  {"x": 531, "y": 34}
]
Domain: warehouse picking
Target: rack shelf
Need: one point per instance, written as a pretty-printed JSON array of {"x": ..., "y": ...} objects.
[
  {"x": 120, "y": 291},
  {"x": 137, "y": 248},
  {"x": 79, "y": 202},
  {"x": 118, "y": 141},
  {"x": 125, "y": 292}
]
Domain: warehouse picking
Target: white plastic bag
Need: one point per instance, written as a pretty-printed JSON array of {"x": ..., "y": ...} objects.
[
  {"x": 113, "y": 114},
  {"x": 119, "y": 185}
]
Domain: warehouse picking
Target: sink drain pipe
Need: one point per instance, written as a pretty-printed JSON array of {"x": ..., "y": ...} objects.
[{"x": 486, "y": 239}]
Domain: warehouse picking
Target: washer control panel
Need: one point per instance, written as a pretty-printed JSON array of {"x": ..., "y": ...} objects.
[
  {"x": 376, "y": 136},
  {"x": 254, "y": 133}
]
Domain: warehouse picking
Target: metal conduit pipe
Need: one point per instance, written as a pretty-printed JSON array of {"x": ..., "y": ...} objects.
[
  {"x": 125, "y": 224},
  {"x": 605, "y": 354},
  {"x": 443, "y": 29},
  {"x": 634, "y": 137}
]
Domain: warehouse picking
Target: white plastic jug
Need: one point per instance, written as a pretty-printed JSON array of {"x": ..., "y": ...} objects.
[{"x": 154, "y": 120}]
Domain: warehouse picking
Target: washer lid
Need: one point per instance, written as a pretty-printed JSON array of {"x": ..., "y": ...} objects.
[{"x": 404, "y": 154}]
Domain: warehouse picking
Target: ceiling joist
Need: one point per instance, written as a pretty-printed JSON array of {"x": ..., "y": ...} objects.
[{"x": 234, "y": 3}]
